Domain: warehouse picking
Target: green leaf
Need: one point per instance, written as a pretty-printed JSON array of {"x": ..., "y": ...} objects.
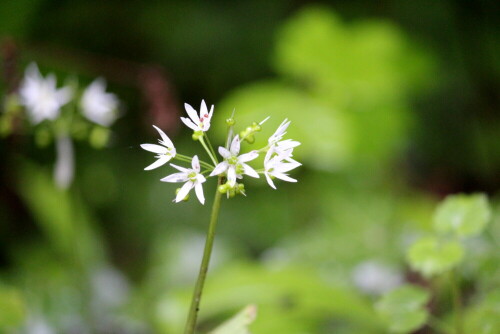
[
  {"x": 431, "y": 256},
  {"x": 239, "y": 323},
  {"x": 12, "y": 310},
  {"x": 484, "y": 318},
  {"x": 465, "y": 215},
  {"x": 404, "y": 308}
]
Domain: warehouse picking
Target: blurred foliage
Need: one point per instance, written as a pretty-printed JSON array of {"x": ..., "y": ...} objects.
[
  {"x": 404, "y": 308},
  {"x": 343, "y": 83}
]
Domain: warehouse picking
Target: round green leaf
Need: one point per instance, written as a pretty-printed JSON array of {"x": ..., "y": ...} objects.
[
  {"x": 465, "y": 215},
  {"x": 404, "y": 308},
  {"x": 430, "y": 256}
]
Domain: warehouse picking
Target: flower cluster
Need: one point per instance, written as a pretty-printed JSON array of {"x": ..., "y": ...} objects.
[
  {"x": 278, "y": 161},
  {"x": 44, "y": 101},
  {"x": 61, "y": 114}
]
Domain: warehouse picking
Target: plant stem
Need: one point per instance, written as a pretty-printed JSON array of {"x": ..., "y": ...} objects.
[
  {"x": 457, "y": 302},
  {"x": 195, "y": 301},
  {"x": 209, "y": 152}
]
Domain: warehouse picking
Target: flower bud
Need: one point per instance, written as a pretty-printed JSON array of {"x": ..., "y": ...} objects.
[
  {"x": 250, "y": 139},
  {"x": 223, "y": 188},
  {"x": 197, "y": 135},
  {"x": 256, "y": 127},
  {"x": 230, "y": 121}
]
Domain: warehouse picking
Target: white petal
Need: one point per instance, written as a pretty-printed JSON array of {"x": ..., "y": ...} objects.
[
  {"x": 203, "y": 109},
  {"x": 249, "y": 171},
  {"x": 269, "y": 154},
  {"x": 192, "y": 113},
  {"x": 280, "y": 132},
  {"x": 189, "y": 124},
  {"x": 182, "y": 169},
  {"x": 220, "y": 168},
  {"x": 159, "y": 162},
  {"x": 270, "y": 181},
  {"x": 184, "y": 191},
  {"x": 154, "y": 148},
  {"x": 174, "y": 178},
  {"x": 211, "y": 112},
  {"x": 287, "y": 144},
  {"x": 195, "y": 163},
  {"x": 164, "y": 137},
  {"x": 231, "y": 176},
  {"x": 235, "y": 145},
  {"x": 284, "y": 177},
  {"x": 199, "y": 192},
  {"x": 248, "y": 156},
  {"x": 286, "y": 167},
  {"x": 224, "y": 152},
  {"x": 200, "y": 178}
]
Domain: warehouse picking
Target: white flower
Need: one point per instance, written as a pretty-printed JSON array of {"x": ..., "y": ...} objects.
[
  {"x": 165, "y": 152},
  {"x": 195, "y": 122},
  {"x": 233, "y": 164},
  {"x": 97, "y": 105},
  {"x": 279, "y": 133},
  {"x": 285, "y": 147},
  {"x": 192, "y": 177},
  {"x": 278, "y": 165},
  {"x": 40, "y": 96},
  {"x": 376, "y": 278}
]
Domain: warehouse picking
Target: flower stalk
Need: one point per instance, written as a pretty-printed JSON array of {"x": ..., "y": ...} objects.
[
  {"x": 207, "y": 252},
  {"x": 229, "y": 172}
]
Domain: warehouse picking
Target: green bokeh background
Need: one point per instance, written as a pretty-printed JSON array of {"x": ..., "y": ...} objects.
[{"x": 396, "y": 104}]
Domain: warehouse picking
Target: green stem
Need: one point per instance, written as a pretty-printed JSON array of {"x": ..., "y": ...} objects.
[
  {"x": 457, "y": 302},
  {"x": 195, "y": 301},
  {"x": 213, "y": 157},
  {"x": 185, "y": 158},
  {"x": 211, "y": 147}
]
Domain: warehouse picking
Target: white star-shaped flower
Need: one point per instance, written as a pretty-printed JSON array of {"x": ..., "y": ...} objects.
[
  {"x": 279, "y": 133},
  {"x": 192, "y": 177},
  {"x": 165, "y": 151},
  {"x": 277, "y": 165},
  {"x": 195, "y": 122},
  {"x": 40, "y": 95},
  {"x": 97, "y": 105},
  {"x": 235, "y": 165}
]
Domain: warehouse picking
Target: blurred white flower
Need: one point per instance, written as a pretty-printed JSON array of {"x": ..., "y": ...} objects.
[
  {"x": 38, "y": 325},
  {"x": 110, "y": 289},
  {"x": 165, "y": 152},
  {"x": 64, "y": 168},
  {"x": 40, "y": 96},
  {"x": 278, "y": 165},
  {"x": 192, "y": 177},
  {"x": 195, "y": 122},
  {"x": 97, "y": 105},
  {"x": 375, "y": 278},
  {"x": 235, "y": 165}
]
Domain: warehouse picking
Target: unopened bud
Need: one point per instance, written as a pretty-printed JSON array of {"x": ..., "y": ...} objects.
[
  {"x": 230, "y": 121},
  {"x": 256, "y": 127},
  {"x": 250, "y": 139},
  {"x": 222, "y": 188}
]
